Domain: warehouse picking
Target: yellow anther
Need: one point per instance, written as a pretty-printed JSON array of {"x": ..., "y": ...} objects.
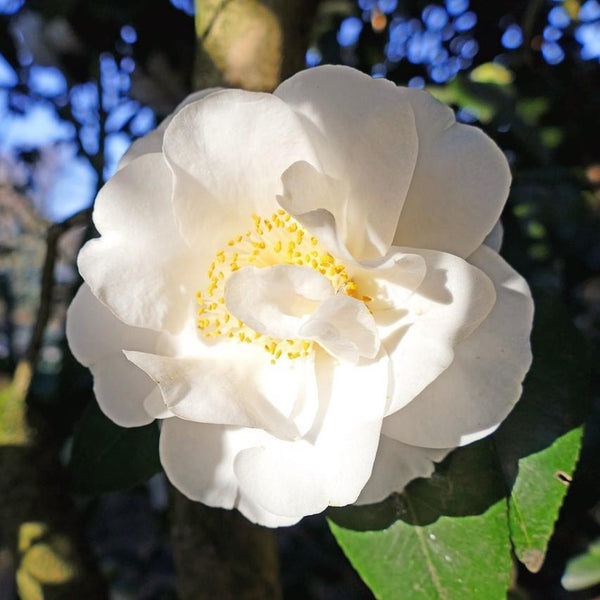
[{"x": 279, "y": 240}]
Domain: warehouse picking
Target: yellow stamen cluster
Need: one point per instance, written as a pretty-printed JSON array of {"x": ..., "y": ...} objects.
[{"x": 273, "y": 241}]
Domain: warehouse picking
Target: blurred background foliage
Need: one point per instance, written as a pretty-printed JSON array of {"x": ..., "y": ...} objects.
[{"x": 79, "y": 80}]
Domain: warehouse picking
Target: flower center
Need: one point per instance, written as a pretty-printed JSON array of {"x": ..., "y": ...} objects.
[{"x": 278, "y": 240}]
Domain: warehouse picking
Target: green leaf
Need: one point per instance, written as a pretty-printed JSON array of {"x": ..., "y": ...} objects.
[
  {"x": 447, "y": 541},
  {"x": 107, "y": 457},
  {"x": 538, "y": 445},
  {"x": 583, "y": 571},
  {"x": 449, "y": 537}
]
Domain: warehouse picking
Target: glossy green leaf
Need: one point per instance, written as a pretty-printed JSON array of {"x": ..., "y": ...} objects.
[
  {"x": 539, "y": 443},
  {"x": 107, "y": 457},
  {"x": 449, "y": 537}
]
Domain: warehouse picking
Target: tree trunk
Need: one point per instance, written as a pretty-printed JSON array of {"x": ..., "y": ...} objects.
[
  {"x": 253, "y": 45},
  {"x": 220, "y": 554}
]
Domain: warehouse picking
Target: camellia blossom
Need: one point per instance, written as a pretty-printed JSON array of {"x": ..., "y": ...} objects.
[{"x": 305, "y": 288}]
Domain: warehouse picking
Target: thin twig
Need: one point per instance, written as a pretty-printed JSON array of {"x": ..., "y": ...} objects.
[{"x": 52, "y": 237}]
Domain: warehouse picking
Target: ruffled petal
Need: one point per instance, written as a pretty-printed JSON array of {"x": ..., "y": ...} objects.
[
  {"x": 235, "y": 384},
  {"x": 344, "y": 327},
  {"x": 396, "y": 465},
  {"x": 331, "y": 464},
  {"x": 198, "y": 460},
  {"x": 420, "y": 333},
  {"x": 227, "y": 154},
  {"x": 153, "y": 141},
  {"x": 459, "y": 186},
  {"x": 275, "y": 300},
  {"x": 375, "y": 157},
  {"x": 471, "y": 398},
  {"x": 140, "y": 266},
  {"x": 495, "y": 237},
  {"x": 257, "y": 514},
  {"x": 391, "y": 282},
  {"x": 96, "y": 338},
  {"x": 318, "y": 202}
]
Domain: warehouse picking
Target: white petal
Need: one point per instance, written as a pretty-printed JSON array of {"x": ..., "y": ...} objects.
[
  {"x": 421, "y": 333},
  {"x": 140, "y": 266},
  {"x": 235, "y": 384},
  {"x": 263, "y": 517},
  {"x": 364, "y": 131},
  {"x": 283, "y": 478},
  {"x": 334, "y": 460},
  {"x": 227, "y": 154},
  {"x": 344, "y": 327},
  {"x": 153, "y": 141},
  {"x": 459, "y": 186},
  {"x": 391, "y": 282},
  {"x": 472, "y": 397},
  {"x": 396, "y": 465},
  {"x": 275, "y": 300},
  {"x": 155, "y": 406},
  {"x": 96, "y": 338},
  {"x": 318, "y": 202},
  {"x": 198, "y": 460},
  {"x": 494, "y": 238},
  {"x": 202, "y": 391}
]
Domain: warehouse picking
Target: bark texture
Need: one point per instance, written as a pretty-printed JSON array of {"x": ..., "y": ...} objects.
[
  {"x": 220, "y": 554},
  {"x": 251, "y": 44}
]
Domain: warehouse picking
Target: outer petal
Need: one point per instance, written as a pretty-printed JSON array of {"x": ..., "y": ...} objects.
[
  {"x": 459, "y": 186},
  {"x": 198, "y": 460},
  {"x": 494, "y": 238},
  {"x": 375, "y": 155},
  {"x": 227, "y": 154},
  {"x": 153, "y": 141},
  {"x": 470, "y": 399},
  {"x": 140, "y": 267},
  {"x": 96, "y": 338},
  {"x": 235, "y": 384},
  {"x": 396, "y": 465},
  {"x": 420, "y": 333},
  {"x": 334, "y": 460}
]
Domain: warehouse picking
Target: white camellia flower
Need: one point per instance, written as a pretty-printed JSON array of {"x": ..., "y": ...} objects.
[{"x": 297, "y": 285}]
